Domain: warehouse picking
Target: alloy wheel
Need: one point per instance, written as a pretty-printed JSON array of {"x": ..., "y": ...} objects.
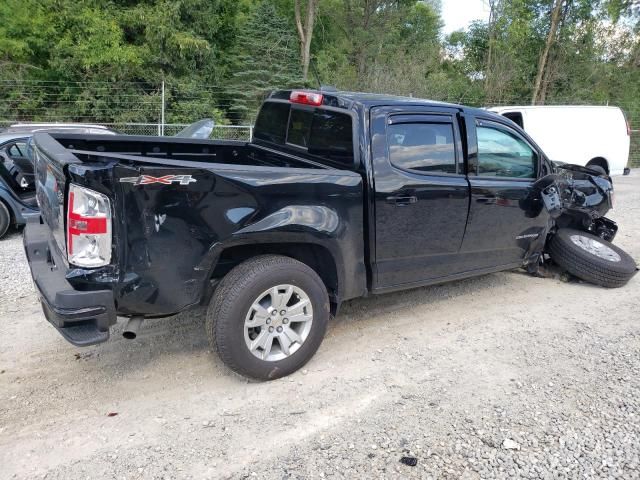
[{"x": 278, "y": 322}]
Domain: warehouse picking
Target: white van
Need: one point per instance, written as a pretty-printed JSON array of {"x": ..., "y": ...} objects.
[{"x": 583, "y": 135}]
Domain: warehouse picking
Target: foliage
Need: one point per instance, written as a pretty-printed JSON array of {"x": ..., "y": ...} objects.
[
  {"x": 265, "y": 57},
  {"x": 105, "y": 60}
]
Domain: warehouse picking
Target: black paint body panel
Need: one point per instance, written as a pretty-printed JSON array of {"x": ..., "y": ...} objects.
[{"x": 417, "y": 240}]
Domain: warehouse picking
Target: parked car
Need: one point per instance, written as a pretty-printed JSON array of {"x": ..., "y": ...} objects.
[
  {"x": 591, "y": 136},
  {"x": 17, "y": 189},
  {"x": 17, "y": 186},
  {"x": 339, "y": 195},
  {"x": 88, "y": 128}
]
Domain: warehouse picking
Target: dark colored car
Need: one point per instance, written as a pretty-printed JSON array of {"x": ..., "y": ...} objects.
[
  {"x": 339, "y": 195},
  {"x": 17, "y": 188}
]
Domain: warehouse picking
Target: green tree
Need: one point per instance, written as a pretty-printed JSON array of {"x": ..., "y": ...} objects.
[
  {"x": 266, "y": 57},
  {"x": 376, "y": 45},
  {"x": 105, "y": 61}
]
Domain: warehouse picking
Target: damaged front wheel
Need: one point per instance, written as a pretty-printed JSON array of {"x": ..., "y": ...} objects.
[{"x": 591, "y": 258}]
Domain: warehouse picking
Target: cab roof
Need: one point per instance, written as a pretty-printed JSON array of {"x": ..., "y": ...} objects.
[{"x": 346, "y": 99}]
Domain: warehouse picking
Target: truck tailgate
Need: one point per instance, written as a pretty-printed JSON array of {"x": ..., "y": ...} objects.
[{"x": 51, "y": 160}]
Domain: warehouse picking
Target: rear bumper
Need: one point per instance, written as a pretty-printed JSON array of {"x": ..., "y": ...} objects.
[{"x": 82, "y": 317}]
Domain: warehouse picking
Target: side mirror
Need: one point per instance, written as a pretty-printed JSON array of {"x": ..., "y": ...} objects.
[{"x": 549, "y": 189}]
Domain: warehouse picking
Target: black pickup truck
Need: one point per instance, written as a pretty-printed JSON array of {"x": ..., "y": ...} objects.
[{"x": 337, "y": 196}]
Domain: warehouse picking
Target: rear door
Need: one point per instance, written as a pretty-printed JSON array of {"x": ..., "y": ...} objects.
[
  {"x": 421, "y": 193},
  {"x": 505, "y": 214},
  {"x": 23, "y": 166}
]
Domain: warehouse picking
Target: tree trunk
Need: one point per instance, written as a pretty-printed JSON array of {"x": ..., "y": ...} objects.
[
  {"x": 551, "y": 70},
  {"x": 488, "y": 71},
  {"x": 305, "y": 33},
  {"x": 555, "y": 20}
]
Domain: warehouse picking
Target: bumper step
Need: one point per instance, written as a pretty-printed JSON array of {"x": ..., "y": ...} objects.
[
  {"x": 84, "y": 335},
  {"x": 82, "y": 317}
]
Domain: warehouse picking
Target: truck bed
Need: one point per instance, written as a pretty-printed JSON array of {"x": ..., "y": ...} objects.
[{"x": 92, "y": 147}]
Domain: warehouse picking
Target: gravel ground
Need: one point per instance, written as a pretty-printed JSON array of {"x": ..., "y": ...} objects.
[{"x": 500, "y": 376}]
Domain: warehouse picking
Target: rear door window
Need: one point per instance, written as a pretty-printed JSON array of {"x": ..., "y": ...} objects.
[
  {"x": 18, "y": 149},
  {"x": 422, "y": 147}
]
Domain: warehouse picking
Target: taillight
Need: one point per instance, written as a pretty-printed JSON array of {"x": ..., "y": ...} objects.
[
  {"x": 306, "y": 98},
  {"x": 88, "y": 228}
]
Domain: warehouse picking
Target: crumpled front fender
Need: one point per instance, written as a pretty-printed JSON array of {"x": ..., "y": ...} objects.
[
  {"x": 578, "y": 197},
  {"x": 575, "y": 189}
]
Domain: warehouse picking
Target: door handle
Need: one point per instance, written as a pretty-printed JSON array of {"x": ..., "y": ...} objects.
[{"x": 402, "y": 200}]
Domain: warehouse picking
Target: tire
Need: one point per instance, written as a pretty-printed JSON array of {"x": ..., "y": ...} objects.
[
  {"x": 235, "y": 300},
  {"x": 5, "y": 219},
  {"x": 612, "y": 267}
]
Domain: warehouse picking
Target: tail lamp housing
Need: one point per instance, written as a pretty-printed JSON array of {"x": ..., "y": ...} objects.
[
  {"x": 88, "y": 227},
  {"x": 306, "y": 98}
]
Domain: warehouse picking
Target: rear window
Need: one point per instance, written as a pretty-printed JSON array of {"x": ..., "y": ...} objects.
[
  {"x": 299, "y": 127},
  {"x": 332, "y": 136},
  {"x": 271, "y": 124},
  {"x": 321, "y": 132}
]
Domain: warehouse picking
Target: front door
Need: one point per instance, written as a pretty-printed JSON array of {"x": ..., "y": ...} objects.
[
  {"x": 421, "y": 194},
  {"x": 505, "y": 214}
]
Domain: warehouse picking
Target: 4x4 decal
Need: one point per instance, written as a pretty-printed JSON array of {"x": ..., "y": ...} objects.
[{"x": 164, "y": 180}]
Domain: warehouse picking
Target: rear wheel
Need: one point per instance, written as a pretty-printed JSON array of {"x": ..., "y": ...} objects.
[
  {"x": 591, "y": 258},
  {"x": 268, "y": 317},
  {"x": 5, "y": 219}
]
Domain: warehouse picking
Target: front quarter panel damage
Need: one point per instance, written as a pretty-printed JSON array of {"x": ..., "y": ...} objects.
[
  {"x": 585, "y": 200},
  {"x": 574, "y": 197}
]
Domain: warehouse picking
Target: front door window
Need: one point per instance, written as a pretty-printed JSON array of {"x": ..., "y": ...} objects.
[{"x": 503, "y": 154}]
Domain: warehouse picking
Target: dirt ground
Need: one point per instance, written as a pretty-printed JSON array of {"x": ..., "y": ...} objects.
[{"x": 500, "y": 376}]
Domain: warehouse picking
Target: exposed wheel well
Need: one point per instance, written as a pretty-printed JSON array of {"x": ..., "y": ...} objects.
[
  {"x": 315, "y": 256},
  {"x": 601, "y": 162}
]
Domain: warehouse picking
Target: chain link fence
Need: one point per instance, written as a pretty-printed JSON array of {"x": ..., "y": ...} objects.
[{"x": 220, "y": 132}]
